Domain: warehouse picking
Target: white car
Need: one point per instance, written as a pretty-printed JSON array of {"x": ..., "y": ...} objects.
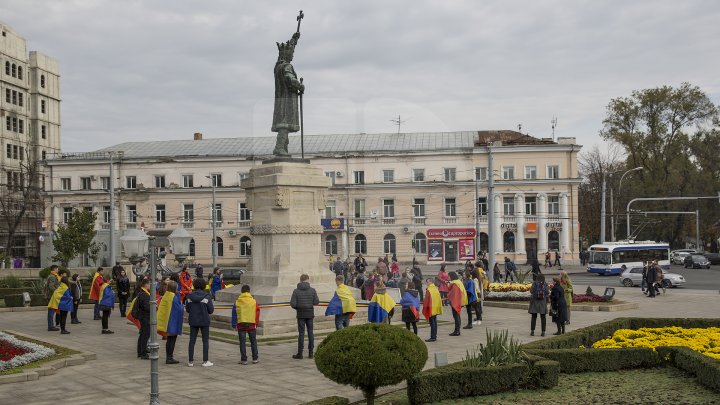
[
  {"x": 633, "y": 276},
  {"x": 679, "y": 257}
]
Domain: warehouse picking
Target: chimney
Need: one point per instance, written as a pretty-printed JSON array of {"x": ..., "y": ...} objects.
[{"x": 197, "y": 136}]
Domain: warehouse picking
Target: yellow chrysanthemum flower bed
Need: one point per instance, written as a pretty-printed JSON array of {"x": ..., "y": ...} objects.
[
  {"x": 505, "y": 287},
  {"x": 702, "y": 340}
]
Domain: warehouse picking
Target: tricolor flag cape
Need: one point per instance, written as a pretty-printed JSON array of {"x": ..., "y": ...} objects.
[
  {"x": 432, "y": 305},
  {"x": 61, "y": 299},
  {"x": 457, "y": 295},
  {"x": 245, "y": 310},
  {"x": 107, "y": 297},
  {"x": 129, "y": 315},
  {"x": 411, "y": 301},
  {"x": 342, "y": 302},
  {"x": 470, "y": 290},
  {"x": 379, "y": 307},
  {"x": 185, "y": 284},
  {"x": 97, "y": 282},
  {"x": 170, "y": 315}
]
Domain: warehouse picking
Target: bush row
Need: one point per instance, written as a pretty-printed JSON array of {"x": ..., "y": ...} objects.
[
  {"x": 17, "y": 300},
  {"x": 333, "y": 400},
  {"x": 595, "y": 360},
  {"x": 704, "y": 368}
]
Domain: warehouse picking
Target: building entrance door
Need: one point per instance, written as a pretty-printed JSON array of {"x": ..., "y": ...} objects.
[
  {"x": 451, "y": 251},
  {"x": 531, "y": 249}
]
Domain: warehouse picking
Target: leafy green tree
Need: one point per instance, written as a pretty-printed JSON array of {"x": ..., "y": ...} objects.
[{"x": 76, "y": 237}]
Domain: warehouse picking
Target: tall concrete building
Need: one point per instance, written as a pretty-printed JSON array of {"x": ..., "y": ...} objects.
[
  {"x": 29, "y": 131},
  {"x": 422, "y": 195}
]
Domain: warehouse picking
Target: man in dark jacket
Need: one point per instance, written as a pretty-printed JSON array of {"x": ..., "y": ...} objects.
[
  {"x": 123, "y": 287},
  {"x": 141, "y": 312},
  {"x": 116, "y": 271},
  {"x": 651, "y": 278},
  {"x": 303, "y": 301},
  {"x": 337, "y": 267},
  {"x": 417, "y": 278},
  {"x": 199, "y": 307}
]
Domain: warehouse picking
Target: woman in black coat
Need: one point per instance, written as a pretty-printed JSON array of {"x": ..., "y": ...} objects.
[{"x": 558, "y": 306}]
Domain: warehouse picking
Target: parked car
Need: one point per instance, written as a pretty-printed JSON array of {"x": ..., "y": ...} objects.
[
  {"x": 696, "y": 261},
  {"x": 633, "y": 276},
  {"x": 678, "y": 257},
  {"x": 232, "y": 274},
  {"x": 713, "y": 258}
]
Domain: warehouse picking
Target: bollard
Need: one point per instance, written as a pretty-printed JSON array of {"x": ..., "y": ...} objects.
[{"x": 441, "y": 359}]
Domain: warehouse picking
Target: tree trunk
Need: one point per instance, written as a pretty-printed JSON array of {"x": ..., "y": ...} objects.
[{"x": 369, "y": 393}]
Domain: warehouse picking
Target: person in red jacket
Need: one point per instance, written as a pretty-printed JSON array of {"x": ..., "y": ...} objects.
[
  {"x": 185, "y": 283},
  {"x": 94, "y": 295}
]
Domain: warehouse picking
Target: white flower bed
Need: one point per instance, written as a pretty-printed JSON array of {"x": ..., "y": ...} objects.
[
  {"x": 506, "y": 294},
  {"x": 36, "y": 353}
]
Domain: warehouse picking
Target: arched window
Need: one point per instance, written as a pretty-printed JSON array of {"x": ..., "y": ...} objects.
[
  {"x": 420, "y": 243},
  {"x": 245, "y": 246},
  {"x": 509, "y": 241},
  {"x": 7, "y": 68},
  {"x": 20, "y": 72},
  {"x": 42, "y": 81},
  {"x": 13, "y": 70},
  {"x": 553, "y": 240},
  {"x": 389, "y": 244},
  {"x": 331, "y": 245},
  {"x": 192, "y": 245},
  {"x": 219, "y": 246},
  {"x": 360, "y": 244},
  {"x": 484, "y": 242}
]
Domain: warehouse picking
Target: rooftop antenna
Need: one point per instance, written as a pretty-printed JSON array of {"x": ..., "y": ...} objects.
[
  {"x": 553, "y": 123},
  {"x": 398, "y": 122},
  {"x": 520, "y": 128}
]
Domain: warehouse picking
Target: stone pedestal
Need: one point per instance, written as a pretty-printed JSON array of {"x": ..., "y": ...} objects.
[{"x": 286, "y": 199}]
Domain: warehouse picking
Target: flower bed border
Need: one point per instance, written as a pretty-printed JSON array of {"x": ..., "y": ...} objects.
[
  {"x": 32, "y": 352},
  {"x": 611, "y": 306}
]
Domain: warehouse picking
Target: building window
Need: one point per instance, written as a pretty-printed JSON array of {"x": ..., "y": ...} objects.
[
  {"x": 331, "y": 174},
  {"x": 245, "y": 246},
  {"x": 85, "y": 183},
  {"x": 160, "y": 213},
  {"x": 220, "y": 247},
  {"x": 106, "y": 214},
  {"x": 508, "y": 206},
  {"x": 105, "y": 182},
  {"x": 359, "y": 177},
  {"x": 419, "y": 208},
  {"x": 389, "y": 244},
  {"x": 360, "y": 244},
  {"x": 509, "y": 241},
  {"x": 530, "y": 172},
  {"x": 484, "y": 242},
  {"x": 554, "y": 240},
  {"x": 7, "y": 64},
  {"x": 21, "y": 100},
  {"x": 42, "y": 106},
  {"x": 218, "y": 213},
  {"x": 14, "y": 70},
  {"x": 216, "y": 179},
  {"x": 243, "y": 176},
  {"x": 388, "y": 176},
  {"x": 21, "y": 126},
  {"x": 420, "y": 243},
  {"x": 8, "y": 99},
  {"x": 130, "y": 182},
  {"x": 67, "y": 214},
  {"x": 553, "y": 172},
  {"x": 65, "y": 183},
  {"x": 42, "y": 81},
  {"x": 418, "y": 174},
  {"x": 331, "y": 245},
  {"x": 330, "y": 209},
  {"x": 192, "y": 248},
  {"x": 553, "y": 205},
  {"x": 508, "y": 172},
  {"x": 389, "y": 208},
  {"x": 481, "y": 173},
  {"x": 449, "y": 174},
  {"x": 159, "y": 181},
  {"x": 244, "y": 213},
  {"x": 131, "y": 213},
  {"x": 43, "y": 132},
  {"x": 188, "y": 213},
  {"x": 482, "y": 207},
  {"x": 43, "y": 155},
  {"x": 450, "y": 208},
  {"x": 530, "y": 206},
  {"x": 359, "y": 208},
  {"x": 187, "y": 180}
]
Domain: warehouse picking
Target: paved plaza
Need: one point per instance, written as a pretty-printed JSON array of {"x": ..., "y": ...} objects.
[{"x": 117, "y": 377}]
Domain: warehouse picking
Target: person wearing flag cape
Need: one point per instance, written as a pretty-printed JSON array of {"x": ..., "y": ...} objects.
[
  {"x": 106, "y": 303},
  {"x": 185, "y": 283},
  {"x": 342, "y": 304},
  {"x": 170, "y": 315},
  {"x": 458, "y": 299},
  {"x": 94, "y": 294},
  {"x": 52, "y": 282},
  {"x": 472, "y": 297},
  {"x": 61, "y": 302},
  {"x": 432, "y": 307},
  {"x": 245, "y": 318},
  {"x": 410, "y": 303},
  {"x": 381, "y": 305}
]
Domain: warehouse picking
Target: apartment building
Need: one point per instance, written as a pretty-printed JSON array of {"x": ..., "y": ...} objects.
[{"x": 422, "y": 195}]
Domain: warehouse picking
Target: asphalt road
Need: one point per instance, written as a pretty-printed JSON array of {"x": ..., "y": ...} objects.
[{"x": 698, "y": 279}]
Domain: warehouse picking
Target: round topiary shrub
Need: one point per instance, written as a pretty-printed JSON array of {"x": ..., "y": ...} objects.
[{"x": 370, "y": 356}]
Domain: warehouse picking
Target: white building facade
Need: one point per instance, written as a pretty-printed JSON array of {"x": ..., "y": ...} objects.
[{"x": 414, "y": 195}]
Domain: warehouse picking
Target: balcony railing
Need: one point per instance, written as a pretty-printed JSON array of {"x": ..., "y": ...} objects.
[
  {"x": 483, "y": 219},
  {"x": 388, "y": 221},
  {"x": 553, "y": 218},
  {"x": 159, "y": 225},
  {"x": 130, "y": 226},
  {"x": 531, "y": 218},
  {"x": 358, "y": 220},
  {"x": 508, "y": 219},
  {"x": 450, "y": 220},
  {"x": 188, "y": 224},
  {"x": 418, "y": 220},
  {"x": 244, "y": 224},
  {"x": 104, "y": 226}
]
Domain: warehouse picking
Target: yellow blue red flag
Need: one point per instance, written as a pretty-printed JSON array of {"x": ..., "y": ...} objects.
[
  {"x": 379, "y": 307},
  {"x": 342, "y": 302},
  {"x": 61, "y": 299},
  {"x": 170, "y": 315},
  {"x": 432, "y": 305}
]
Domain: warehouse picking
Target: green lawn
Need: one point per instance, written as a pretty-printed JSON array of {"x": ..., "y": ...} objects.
[{"x": 668, "y": 386}]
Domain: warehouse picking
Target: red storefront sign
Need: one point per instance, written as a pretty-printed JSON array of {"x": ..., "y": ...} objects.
[{"x": 451, "y": 233}]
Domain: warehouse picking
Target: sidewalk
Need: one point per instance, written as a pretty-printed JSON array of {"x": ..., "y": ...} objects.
[{"x": 117, "y": 377}]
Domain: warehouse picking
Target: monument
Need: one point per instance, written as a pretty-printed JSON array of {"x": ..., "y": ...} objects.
[{"x": 286, "y": 196}]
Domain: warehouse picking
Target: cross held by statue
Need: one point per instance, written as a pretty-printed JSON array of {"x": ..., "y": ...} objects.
[{"x": 299, "y": 18}]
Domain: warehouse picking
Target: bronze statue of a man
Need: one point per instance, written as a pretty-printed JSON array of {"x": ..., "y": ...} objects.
[{"x": 288, "y": 88}]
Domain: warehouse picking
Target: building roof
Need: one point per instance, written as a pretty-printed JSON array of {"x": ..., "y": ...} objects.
[{"x": 315, "y": 145}]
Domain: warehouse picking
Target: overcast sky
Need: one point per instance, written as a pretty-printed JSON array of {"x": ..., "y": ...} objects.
[{"x": 163, "y": 69}]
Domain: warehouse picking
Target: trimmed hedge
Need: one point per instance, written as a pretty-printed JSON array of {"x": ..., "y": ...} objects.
[
  {"x": 14, "y": 300},
  {"x": 594, "y": 360},
  {"x": 11, "y": 291},
  {"x": 543, "y": 373},
  {"x": 704, "y": 368},
  {"x": 333, "y": 400}
]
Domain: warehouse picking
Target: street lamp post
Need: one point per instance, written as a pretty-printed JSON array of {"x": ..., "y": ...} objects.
[
  {"x": 612, "y": 211},
  {"x": 136, "y": 244},
  {"x": 213, "y": 218}
]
